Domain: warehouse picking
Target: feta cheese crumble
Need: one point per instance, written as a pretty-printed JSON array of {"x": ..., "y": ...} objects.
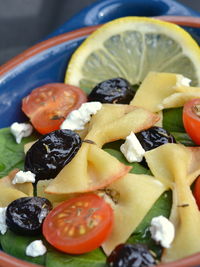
[
  {"x": 162, "y": 231},
  {"x": 182, "y": 81},
  {"x": 3, "y": 226},
  {"x": 132, "y": 149},
  {"x": 77, "y": 119},
  {"x": 20, "y": 130},
  {"x": 36, "y": 248},
  {"x": 23, "y": 177}
]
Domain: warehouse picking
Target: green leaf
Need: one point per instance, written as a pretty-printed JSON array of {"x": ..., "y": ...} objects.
[
  {"x": 15, "y": 245},
  {"x": 11, "y": 153},
  {"x": 183, "y": 138},
  {"x": 172, "y": 120},
  {"x": 95, "y": 258},
  {"x": 12, "y": 156},
  {"x": 142, "y": 234}
]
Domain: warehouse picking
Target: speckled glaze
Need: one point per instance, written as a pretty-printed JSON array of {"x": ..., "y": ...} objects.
[{"x": 47, "y": 61}]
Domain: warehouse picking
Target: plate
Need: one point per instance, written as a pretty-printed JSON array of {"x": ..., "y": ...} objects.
[{"x": 47, "y": 61}]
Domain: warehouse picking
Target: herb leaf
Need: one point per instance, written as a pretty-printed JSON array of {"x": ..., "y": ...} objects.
[
  {"x": 11, "y": 153},
  {"x": 95, "y": 258},
  {"x": 15, "y": 245},
  {"x": 172, "y": 120}
]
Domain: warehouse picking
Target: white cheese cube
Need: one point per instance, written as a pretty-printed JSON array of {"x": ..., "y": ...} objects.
[
  {"x": 35, "y": 249},
  {"x": 3, "y": 226},
  {"x": 77, "y": 119},
  {"x": 132, "y": 149},
  {"x": 162, "y": 231},
  {"x": 20, "y": 130},
  {"x": 23, "y": 177}
]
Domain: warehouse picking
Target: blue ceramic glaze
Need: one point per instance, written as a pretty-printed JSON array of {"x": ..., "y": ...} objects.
[
  {"x": 104, "y": 10},
  {"x": 45, "y": 67},
  {"x": 50, "y": 65}
]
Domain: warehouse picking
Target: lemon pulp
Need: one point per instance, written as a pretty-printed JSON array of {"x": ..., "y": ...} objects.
[{"x": 130, "y": 47}]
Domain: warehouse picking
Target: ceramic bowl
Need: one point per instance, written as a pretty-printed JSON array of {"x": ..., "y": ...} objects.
[{"x": 47, "y": 61}]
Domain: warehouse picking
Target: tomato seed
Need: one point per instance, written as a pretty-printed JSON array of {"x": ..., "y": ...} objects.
[
  {"x": 37, "y": 100},
  {"x": 49, "y": 93},
  {"x": 61, "y": 215},
  {"x": 86, "y": 204},
  {"x": 82, "y": 230},
  {"x": 65, "y": 230},
  {"x": 71, "y": 232},
  {"x": 79, "y": 204}
]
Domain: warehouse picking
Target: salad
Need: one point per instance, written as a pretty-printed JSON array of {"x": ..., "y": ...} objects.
[{"x": 93, "y": 190}]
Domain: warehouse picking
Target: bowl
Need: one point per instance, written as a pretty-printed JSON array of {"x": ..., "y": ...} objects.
[{"x": 46, "y": 62}]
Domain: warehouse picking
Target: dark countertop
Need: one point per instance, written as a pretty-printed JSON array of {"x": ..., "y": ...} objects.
[{"x": 20, "y": 27}]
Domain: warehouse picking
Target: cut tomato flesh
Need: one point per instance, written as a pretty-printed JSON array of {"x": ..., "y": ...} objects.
[
  {"x": 47, "y": 106},
  {"x": 79, "y": 225}
]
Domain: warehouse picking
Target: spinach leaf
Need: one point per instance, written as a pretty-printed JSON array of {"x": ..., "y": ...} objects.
[
  {"x": 15, "y": 245},
  {"x": 14, "y": 157},
  {"x": 183, "y": 138},
  {"x": 172, "y": 120},
  {"x": 11, "y": 153},
  {"x": 95, "y": 258}
]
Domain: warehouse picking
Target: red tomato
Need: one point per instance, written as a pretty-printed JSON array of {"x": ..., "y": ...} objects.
[
  {"x": 191, "y": 119},
  {"x": 47, "y": 106},
  {"x": 196, "y": 191},
  {"x": 79, "y": 225}
]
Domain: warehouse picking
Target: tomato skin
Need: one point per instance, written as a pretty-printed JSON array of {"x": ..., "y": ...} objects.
[
  {"x": 196, "y": 191},
  {"x": 79, "y": 225},
  {"x": 47, "y": 106},
  {"x": 191, "y": 120}
]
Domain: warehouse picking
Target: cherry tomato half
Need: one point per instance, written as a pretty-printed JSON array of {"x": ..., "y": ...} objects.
[
  {"x": 47, "y": 106},
  {"x": 191, "y": 119},
  {"x": 79, "y": 225},
  {"x": 196, "y": 191}
]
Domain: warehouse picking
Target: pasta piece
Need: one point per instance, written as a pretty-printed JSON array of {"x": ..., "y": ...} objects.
[
  {"x": 135, "y": 120},
  {"x": 108, "y": 113},
  {"x": 186, "y": 219},
  {"x": 131, "y": 205},
  {"x": 27, "y": 146},
  {"x": 194, "y": 167},
  {"x": 26, "y": 188},
  {"x": 155, "y": 88},
  {"x": 55, "y": 199},
  {"x": 178, "y": 99},
  {"x": 164, "y": 166},
  {"x": 160, "y": 122},
  {"x": 88, "y": 171},
  {"x": 10, "y": 192},
  {"x": 181, "y": 95},
  {"x": 177, "y": 165},
  {"x": 93, "y": 168}
]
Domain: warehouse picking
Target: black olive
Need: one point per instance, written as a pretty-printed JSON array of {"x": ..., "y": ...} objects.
[
  {"x": 154, "y": 137},
  {"x": 51, "y": 153},
  {"x": 116, "y": 90},
  {"x": 25, "y": 215},
  {"x": 128, "y": 255}
]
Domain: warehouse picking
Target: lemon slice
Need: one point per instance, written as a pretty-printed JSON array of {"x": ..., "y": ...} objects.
[{"x": 130, "y": 47}]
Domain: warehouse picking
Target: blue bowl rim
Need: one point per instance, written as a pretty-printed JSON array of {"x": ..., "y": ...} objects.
[{"x": 188, "y": 21}]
